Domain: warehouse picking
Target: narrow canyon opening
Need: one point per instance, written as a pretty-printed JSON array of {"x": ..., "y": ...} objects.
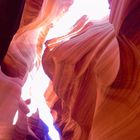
[
  {"x": 70, "y": 70},
  {"x": 37, "y": 81}
]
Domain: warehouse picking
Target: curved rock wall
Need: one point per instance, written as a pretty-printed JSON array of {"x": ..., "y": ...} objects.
[
  {"x": 96, "y": 76},
  {"x": 20, "y": 60},
  {"x": 94, "y": 71}
]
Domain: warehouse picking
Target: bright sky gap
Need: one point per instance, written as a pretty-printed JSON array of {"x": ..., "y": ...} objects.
[{"x": 35, "y": 87}]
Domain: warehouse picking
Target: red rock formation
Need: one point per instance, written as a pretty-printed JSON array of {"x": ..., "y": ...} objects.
[
  {"x": 94, "y": 71},
  {"x": 21, "y": 58},
  {"x": 96, "y": 76},
  {"x": 78, "y": 74}
]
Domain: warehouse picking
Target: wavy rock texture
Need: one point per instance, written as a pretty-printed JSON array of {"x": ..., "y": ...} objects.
[
  {"x": 10, "y": 89},
  {"x": 95, "y": 75},
  {"x": 31, "y": 11},
  {"x": 78, "y": 74},
  {"x": 20, "y": 60},
  {"x": 94, "y": 72}
]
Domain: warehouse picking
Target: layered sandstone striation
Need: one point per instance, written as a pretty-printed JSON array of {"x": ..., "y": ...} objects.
[
  {"x": 22, "y": 56},
  {"x": 96, "y": 76},
  {"x": 94, "y": 72}
]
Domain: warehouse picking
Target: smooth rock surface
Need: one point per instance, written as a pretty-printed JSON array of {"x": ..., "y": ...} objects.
[{"x": 94, "y": 72}]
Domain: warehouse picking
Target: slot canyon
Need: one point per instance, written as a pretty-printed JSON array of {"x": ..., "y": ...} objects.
[{"x": 83, "y": 84}]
